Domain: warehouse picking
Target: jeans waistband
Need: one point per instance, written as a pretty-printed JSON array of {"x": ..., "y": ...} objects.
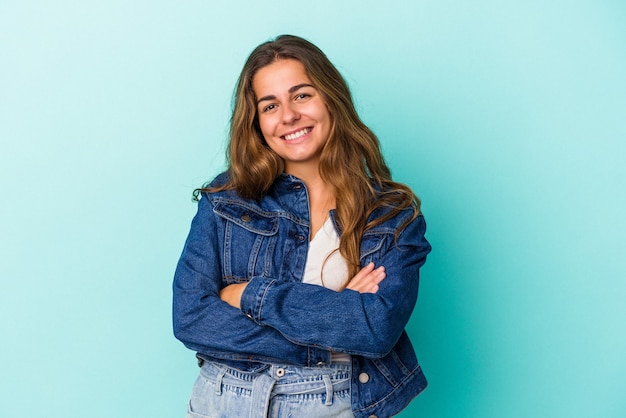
[{"x": 280, "y": 380}]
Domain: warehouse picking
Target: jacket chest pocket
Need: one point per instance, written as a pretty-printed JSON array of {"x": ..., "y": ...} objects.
[{"x": 249, "y": 242}]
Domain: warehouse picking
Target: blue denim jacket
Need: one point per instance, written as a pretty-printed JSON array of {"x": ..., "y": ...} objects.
[{"x": 283, "y": 320}]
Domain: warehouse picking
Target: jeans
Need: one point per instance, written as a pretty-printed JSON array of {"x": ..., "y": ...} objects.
[{"x": 275, "y": 392}]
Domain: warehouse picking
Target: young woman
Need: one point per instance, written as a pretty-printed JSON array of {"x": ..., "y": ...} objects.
[{"x": 300, "y": 271}]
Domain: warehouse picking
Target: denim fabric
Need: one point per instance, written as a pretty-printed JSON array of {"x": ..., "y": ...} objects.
[
  {"x": 277, "y": 391},
  {"x": 284, "y": 321}
]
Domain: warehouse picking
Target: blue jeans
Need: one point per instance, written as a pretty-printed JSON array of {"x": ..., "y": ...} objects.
[{"x": 274, "y": 392}]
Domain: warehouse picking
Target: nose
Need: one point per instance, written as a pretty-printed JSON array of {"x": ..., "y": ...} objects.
[{"x": 290, "y": 114}]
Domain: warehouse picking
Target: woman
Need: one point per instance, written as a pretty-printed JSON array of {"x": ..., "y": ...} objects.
[{"x": 300, "y": 271}]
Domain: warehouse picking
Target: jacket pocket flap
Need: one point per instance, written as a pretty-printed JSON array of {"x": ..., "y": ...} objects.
[{"x": 248, "y": 218}]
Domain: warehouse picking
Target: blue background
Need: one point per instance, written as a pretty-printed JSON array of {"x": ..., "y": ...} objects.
[{"x": 508, "y": 118}]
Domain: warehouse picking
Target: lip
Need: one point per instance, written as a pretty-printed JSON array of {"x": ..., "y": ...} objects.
[{"x": 304, "y": 135}]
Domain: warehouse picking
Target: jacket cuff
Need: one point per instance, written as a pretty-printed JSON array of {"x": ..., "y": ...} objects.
[{"x": 253, "y": 296}]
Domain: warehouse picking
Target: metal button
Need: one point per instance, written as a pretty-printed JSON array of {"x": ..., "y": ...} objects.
[
  {"x": 364, "y": 378},
  {"x": 372, "y": 416},
  {"x": 280, "y": 372},
  {"x": 246, "y": 218}
]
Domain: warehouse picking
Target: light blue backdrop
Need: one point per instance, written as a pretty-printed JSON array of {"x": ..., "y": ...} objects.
[{"x": 508, "y": 118}]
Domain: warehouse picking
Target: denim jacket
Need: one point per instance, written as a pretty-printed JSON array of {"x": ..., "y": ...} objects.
[{"x": 283, "y": 320}]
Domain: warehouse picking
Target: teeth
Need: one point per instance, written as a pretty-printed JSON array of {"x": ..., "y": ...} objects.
[{"x": 297, "y": 135}]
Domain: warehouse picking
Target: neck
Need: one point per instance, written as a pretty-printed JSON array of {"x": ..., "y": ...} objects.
[
  {"x": 308, "y": 173},
  {"x": 321, "y": 201},
  {"x": 321, "y": 195}
]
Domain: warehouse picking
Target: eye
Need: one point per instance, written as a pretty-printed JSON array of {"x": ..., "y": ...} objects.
[
  {"x": 302, "y": 96},
  {"x": 268, "y": 108}
]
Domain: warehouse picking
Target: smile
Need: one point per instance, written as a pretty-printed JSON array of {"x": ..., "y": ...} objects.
[{"x": 297, "y": 134}]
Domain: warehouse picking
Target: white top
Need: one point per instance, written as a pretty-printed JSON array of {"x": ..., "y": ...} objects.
[{"x": 325, "y": 266}]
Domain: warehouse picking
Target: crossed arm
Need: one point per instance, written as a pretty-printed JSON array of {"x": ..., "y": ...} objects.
[
  {"x": 365, "y": 281},
  {"x": 278, "y": 320}
]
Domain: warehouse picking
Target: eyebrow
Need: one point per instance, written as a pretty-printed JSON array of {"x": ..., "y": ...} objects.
[{"x": 291, "y": 90}]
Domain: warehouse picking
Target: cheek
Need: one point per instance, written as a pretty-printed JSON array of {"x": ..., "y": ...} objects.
[
  {"x": 325, "y": 119},
  {"x": 322, "y": 114},
  {"x": 266, "y": 126}
]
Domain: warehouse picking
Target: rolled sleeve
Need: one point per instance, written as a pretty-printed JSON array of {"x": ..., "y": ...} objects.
[{"x": 253, "y": 297}]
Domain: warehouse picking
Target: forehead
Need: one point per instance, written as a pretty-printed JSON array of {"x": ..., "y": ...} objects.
[{"x": 278, "y": 77}]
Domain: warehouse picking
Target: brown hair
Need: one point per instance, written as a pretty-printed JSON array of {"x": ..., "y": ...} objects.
[{"x": 351, "y": 161}]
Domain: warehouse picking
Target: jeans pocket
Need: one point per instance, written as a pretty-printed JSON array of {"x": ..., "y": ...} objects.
[
  {"x": 198, "y": 406},
  {"x": 192, "y": 414}
]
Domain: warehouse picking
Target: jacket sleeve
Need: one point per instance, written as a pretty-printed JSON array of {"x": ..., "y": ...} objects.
[
  {"x": 363, "y": 324},
  {"x": 204, "y": 323}
]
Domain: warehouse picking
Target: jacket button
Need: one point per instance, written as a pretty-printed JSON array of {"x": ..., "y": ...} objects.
[
  {"x": 372, "y": 416},
  {"x": 245, "y": 218},
  {"x": 364, "y": 378}
]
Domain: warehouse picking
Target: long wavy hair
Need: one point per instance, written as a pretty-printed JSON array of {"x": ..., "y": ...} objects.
[{"x": 351, "y": 161}]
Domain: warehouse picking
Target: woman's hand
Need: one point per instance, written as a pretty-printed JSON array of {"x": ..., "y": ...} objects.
[
  {"x": 231, "y": 294},
  {"x": 367, "y": 280}
]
